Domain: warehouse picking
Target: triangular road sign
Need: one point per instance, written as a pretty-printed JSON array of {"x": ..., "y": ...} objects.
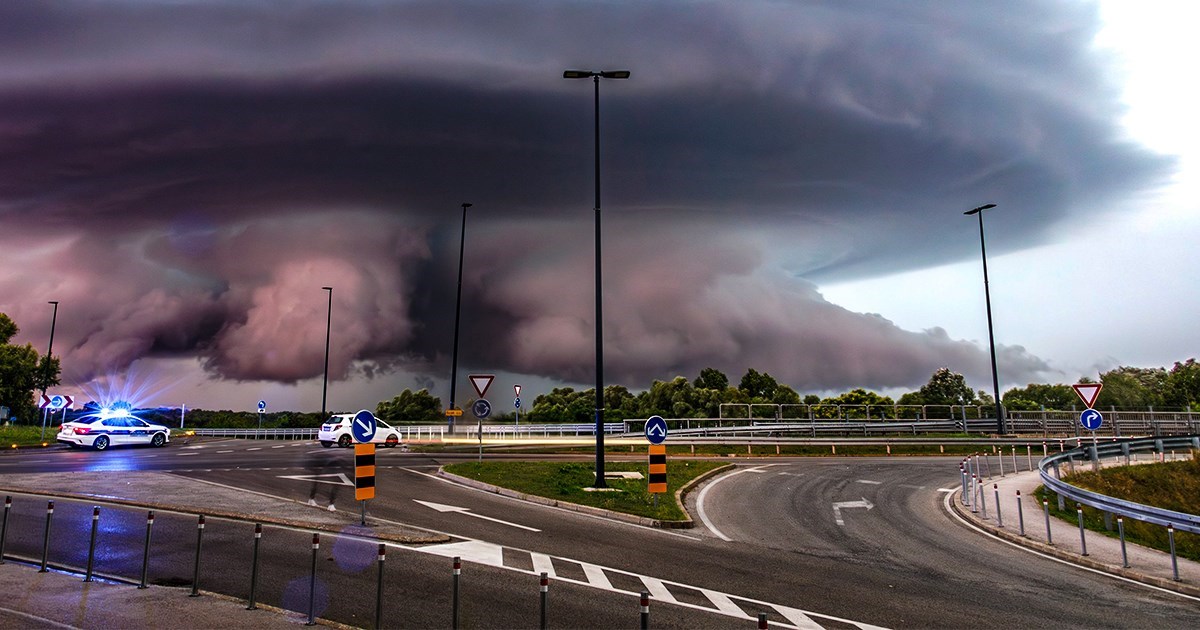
[
  {"x": 1088, "y": 393},
  {"x": 481, "y": 383}
]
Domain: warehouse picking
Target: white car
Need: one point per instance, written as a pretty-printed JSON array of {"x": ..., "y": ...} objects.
[
  {"x": 337, "y": 431},
  {"x": 102, "y": 432}
]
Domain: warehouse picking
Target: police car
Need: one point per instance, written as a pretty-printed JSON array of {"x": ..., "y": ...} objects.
[
  {"x": 100, "y": 432},
  {"x": 337, "y": 431}
]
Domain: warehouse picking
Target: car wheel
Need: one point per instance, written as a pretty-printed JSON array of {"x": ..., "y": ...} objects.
[
  {"x": 326, "y": 443},
  {"x": 158, "y": 440},
  {"x": 392, "y": 441},
  {"x": 344, "y": 441},
  {"x": 101, "y": 443}
]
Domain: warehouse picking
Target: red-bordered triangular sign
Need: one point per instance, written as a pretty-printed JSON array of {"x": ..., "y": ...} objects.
[
  {"x": 481, "y": 383},
  {"x": 1088, "y": 393}
]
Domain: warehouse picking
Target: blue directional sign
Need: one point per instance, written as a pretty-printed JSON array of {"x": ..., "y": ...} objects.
[
  {"x": 262, "y": 406},
  {"x": 482, "y": 408},
  {"x": 517, "y": 403},
  {"x": 656, "y": 430},
  {"x": 1091, "y": 419},
  {"x": 363, "y": 427}
]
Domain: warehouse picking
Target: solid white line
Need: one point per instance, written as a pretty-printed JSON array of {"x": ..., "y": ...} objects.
[
  {"x": 955, "y": 515},
  {"x": 868, "y": 481},
  {"x": 39, "y": 621},
  {"x": 700, "y": 505},
  {"x": 949, "y": 489}
]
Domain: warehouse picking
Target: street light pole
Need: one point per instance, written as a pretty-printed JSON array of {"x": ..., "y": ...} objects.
[
  {"x": 462, "y": 245},
  {"x": 49, "y": 354},
  {"x": 325, "y": 379},
  {"x": 595, "y": 76},
  {"x": 987, "y": 296}
]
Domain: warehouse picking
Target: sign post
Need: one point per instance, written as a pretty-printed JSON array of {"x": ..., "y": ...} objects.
[
  {"x": 656, "y": 434},
  {"x": 363, "y": 429}
]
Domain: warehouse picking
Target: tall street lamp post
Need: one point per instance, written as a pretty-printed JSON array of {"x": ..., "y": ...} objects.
[
  {"x": 595, "y": 76},
  {"x": 462, "y": 244},
  {"x": 49, "y": 354},
  {"x": 987, "y": 296},
  {"x": 325, "y": 378}
]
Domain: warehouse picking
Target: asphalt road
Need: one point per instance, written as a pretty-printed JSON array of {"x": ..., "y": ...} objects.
[{"x": 775, "y": 545}]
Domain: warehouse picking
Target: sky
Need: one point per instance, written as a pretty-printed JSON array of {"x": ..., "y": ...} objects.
[{"x": 783, "y": 186}]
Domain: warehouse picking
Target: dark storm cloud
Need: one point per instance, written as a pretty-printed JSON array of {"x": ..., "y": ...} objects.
[{"x": 211, "y": 165}]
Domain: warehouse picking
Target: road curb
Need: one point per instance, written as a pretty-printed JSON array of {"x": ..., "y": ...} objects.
[
  {"x": 686, "y": 523},
  {"x": 1073, "y": 558}
]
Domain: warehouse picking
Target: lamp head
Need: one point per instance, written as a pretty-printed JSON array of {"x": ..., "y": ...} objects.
[
  {"x": 466, "y": 205},
  {"x": 979, "y": 209}
]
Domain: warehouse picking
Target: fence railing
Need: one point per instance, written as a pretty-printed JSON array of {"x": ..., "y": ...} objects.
[{"x": 1051, "y": 477}]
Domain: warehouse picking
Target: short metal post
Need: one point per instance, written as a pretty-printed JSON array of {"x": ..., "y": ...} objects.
[
  {"x": 645, "y": 610},
  {"x": 983, "y": 500},
  {"x": 363, "y": 520},
  {"x": 46, "y": 538},
  {"x": 987, "y": 463},
  {"x": 1000, "y": 458},
  {"x": 454, "y": 602},
  {"x": 252, "y": 605},
  {"x": 963, "y": 473},
  {"x": 1014, "y": 457},
  {"x": 312, "y": 582},
  {"x": 974, "y": 493},
  {"x": 999, "y": 517},
  {"x": 1029, "y": 456},
  {"x": 545, "y": 589},
  {"x": 4, "y": 526},
  {"x": 1121, "y": 533},
  {"x": 196, "y": 566},
  {"x": 92, "y": 543},
  {"x": 146, "y": 550},
  {"x": 762, "y": 621},
  {"x": 1020, "y": 513},
  {"x": 1046, "y": 511},
  {"x": 379, "y": 589},
  {"x": 1174, "y": 558},
  {"x": 1082, "y": 539}
]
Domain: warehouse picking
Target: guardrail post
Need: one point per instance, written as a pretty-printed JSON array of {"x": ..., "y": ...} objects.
[
  {"x": 1121, "y": 533},
  {"x": 1020, "y": 513},
  {"x": 4, "y": 526},
  {"x": 1082, "y": 538},
  {"x": 1174, "y": 558},
  {"x": 92, "y": 543},
  {"x": 645, "y": 609},
  {"x": 999, "y": 517},
  {"x": 196, "y": 566},
  {"x": 379, "y": 589},
  {"x": 46, "y": 539},
  {"x": 312, "y": 582},
  {"x": 146, "y": 550},
  {"x": 251, "y": 605},
  {"x": 1046, "y": 511},
  {"x": 454, "y": 599},
  {"x": 544, "y": 587}
]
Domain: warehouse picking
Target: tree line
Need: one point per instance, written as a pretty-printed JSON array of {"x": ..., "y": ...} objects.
[{"x": 24, "y": 373}]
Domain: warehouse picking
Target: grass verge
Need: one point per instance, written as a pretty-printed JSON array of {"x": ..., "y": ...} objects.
[
  {"x": 24, "y": 436},
  {"x": 1171, "y": 486},
  {"x": 565, "y": 481}
]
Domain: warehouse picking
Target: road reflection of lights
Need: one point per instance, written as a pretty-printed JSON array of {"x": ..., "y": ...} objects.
[
  {"x": 354, "y": 555},
  {"x": 295, "y": 595}
]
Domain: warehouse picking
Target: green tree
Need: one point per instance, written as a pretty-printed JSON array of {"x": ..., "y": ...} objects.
[
  {"x": 1132, "y": 388},
  {"x": 418, "y": 407},
  {"x": 760, "y": 387},
  {"x": 22, "y": 372},
  {"x": 711, "y": 378},
  {"x": 1183, "y": 385},
  {"x": 946, "y": 388},
  {"x": 1036, "y": 396},
  {"x": 855, "y": 404}
]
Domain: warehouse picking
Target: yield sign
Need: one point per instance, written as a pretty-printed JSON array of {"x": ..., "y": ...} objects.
[
  {"x": 1088, "y": 393},
  {"x": 481, "y": 383}
]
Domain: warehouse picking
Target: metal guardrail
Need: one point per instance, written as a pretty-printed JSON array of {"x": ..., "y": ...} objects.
[
  {"x": 1050, "y": 473},
  {"x": 300, "y": 433}
]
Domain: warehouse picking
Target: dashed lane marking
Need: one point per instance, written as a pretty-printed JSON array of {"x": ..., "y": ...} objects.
[{"x": 219, "y": 452}]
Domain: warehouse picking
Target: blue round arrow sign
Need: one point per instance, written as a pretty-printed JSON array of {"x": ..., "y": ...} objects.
[
  {"x": 363, "y": 427},
  {"x": 1091, "y": 419},
  {"x": 482, "y": 408},
  {"x": 656, "y": 430}
]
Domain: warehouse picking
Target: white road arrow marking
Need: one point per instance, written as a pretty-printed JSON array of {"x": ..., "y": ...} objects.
[
  {"x": 341, "y": 479},
  {"x": 467, "y": 511},
  {"x": 837, "y": 508}
]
